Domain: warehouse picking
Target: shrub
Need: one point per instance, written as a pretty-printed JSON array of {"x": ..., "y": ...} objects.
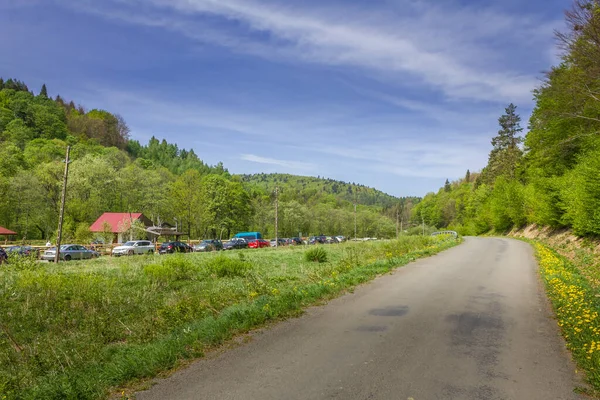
[
  {"x": 181, "y": 266},
  {"x": 173, "y": 268},
  {"x": 224, "y": 266},
  {"x": 159, "y": 273},
  {"x": 316, "y": 254},
  {"x": 20, "y": 263}
]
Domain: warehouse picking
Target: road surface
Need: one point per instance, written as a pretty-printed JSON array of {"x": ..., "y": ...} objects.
[{"x": 469, "y": 323}]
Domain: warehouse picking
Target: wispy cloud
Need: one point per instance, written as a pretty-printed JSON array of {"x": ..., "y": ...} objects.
[
  {"x": 294, "y": 165},
  {"x": 444, "y": 158},
  {"x": 449, "y": 50},
  {"x": 413, "y": 151}
]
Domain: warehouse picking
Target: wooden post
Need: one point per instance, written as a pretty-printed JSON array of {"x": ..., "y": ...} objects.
[{"x": 62, "y": 207}]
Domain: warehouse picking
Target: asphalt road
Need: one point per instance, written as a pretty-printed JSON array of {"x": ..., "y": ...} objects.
[{"x": 470, "y": 323}]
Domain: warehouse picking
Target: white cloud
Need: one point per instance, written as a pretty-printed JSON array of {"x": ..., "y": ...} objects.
[
  {"x": 448, "y": 157},
  {"x": 294, "y": 165},
  {"x": 356, "y": 143},
  {"x": 449, "y": 50}
]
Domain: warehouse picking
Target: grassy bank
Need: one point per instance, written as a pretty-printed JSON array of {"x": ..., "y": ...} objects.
[
  {"x": 78, "y": 330},
  {"x": 577, "y": 307}
]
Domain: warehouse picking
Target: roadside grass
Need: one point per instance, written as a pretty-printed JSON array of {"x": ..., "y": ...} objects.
[
  {"x": 577, "y": 306},
  {"x": 78, "y": 330}
]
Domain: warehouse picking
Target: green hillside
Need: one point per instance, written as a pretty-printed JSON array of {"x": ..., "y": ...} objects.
[
  {"x": 111, "y": 172},
  {"x": 310, "y": 189}
]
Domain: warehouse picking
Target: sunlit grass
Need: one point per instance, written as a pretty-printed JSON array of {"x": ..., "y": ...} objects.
[{"x": 78, "y": 329}]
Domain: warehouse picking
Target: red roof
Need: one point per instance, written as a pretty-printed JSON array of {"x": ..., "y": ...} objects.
[
  {"x": 4, "y": 231},
  {"x": 115, "y": 220}
]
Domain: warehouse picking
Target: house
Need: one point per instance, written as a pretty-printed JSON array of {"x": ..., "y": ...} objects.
[
  {"x": 119, "y": 224},
  {"x": 6, "y": 233}
]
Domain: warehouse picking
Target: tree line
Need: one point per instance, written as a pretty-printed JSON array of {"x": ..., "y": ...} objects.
[
  {"x": 111, "y": 172},
  {"x": 551, "y": 176}
]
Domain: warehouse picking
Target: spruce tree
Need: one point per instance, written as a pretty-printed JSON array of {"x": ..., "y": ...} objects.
[
  {"x": 468, "y": 176},
  {"x": 506, "y": 153},
  {"x": 447, "y": 186},
  {"x": 44, "y": 92}
]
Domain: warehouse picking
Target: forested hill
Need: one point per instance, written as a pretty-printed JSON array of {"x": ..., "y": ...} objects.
[
  {"x": 111, "y": 172},
  {"x": 550, "y": 177},
  {"x": 313, "y": 190}
]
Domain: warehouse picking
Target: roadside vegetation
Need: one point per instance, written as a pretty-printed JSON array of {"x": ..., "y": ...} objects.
[
  {"x": 577, "y": 309},
  {"x": 82, "y": 329},
  {"x": 551, "y": 176}
]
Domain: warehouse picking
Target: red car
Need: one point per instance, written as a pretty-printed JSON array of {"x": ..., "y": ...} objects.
[{"x": 258, "y": 243}]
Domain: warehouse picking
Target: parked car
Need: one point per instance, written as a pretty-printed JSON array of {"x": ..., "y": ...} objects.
[
  {"x": 70, "y": 252},
  {"x": 235, "y": 243},
  {"x": 296, "y": 240},
  {"x": 134, "y": 247},
  {"x": 341, "y": 238},
  {"x": 258, "y": 243},
  {"x": 23, "y": 251},
  {"x": 3, "y": 256},
  {"x": 331, "y": 240},
  {"x": 209, "y": 245},
  {"x": 174, "y": 247},
  {"x": 321, "y": 239},
  {"x": 248, "y": 235},
  {"x": 282, "y": 242}
]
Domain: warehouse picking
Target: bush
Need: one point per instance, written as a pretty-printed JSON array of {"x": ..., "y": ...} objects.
[
  {"x": 173, "y": 268},
  {"x": 224, "y": 266},
  {"x": 20, "y": 263},
  {"x": 316, "y": 254}
]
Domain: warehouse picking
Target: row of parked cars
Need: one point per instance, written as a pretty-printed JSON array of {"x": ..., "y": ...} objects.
[
  {"x": 322, "y": 239},
  {"x": 136, "y": 247}
]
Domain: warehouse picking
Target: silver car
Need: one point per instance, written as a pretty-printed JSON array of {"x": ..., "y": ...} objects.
[
  {"x": 134, "y": 247},
  {"x": 70, "y": 252}
]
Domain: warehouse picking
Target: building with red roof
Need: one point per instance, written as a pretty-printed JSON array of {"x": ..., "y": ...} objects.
[
  {"x": 118, "y": 224},
  {"x": 6, "y": 232}
]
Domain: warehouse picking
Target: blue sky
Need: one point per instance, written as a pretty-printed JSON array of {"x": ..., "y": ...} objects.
[{"x": 394, "y": 94}]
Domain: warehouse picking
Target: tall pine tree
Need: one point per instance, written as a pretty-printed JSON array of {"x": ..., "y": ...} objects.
[
  {"x": 506, "y": 153},
  {"x": 44, "y": 92}
]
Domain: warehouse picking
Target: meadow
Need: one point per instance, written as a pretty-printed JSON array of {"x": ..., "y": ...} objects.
[{"x": 81, "y": 330}]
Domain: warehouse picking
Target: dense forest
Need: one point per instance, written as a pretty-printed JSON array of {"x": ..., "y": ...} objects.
[
  {"x": 328, "y": 204},
  {"x": 111, "y": 172},
  {"x": 551, "y": 176}
]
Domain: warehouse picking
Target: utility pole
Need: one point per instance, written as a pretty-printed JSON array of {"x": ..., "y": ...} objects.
[
  {"x": 130, "y": 226},
  {"x": 401, "y": 223},
  {"x": 62, "y": 206},
  {"x": 397, "y": 217},
  {"x": 355, "y": 235},
  {"x": 276, "y": 215},
  {"x": 355, "y": 221}
]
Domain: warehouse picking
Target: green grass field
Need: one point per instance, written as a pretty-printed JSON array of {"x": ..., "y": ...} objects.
[{"x": 79, "y": 330}]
